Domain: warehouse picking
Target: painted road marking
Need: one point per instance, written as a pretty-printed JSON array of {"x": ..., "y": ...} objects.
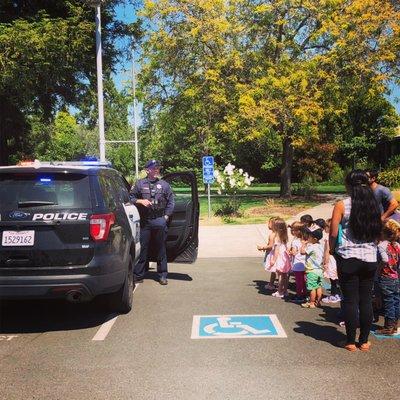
[
  {"x": 7, "y": 337},
  {"x": 236, "y": 326},
  {"x": 105, "y": 328}
]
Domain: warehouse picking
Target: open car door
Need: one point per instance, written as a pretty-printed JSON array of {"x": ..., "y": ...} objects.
[{"x": 183, "y": 227}]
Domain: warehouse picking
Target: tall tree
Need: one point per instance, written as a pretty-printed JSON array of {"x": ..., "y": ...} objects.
[
  {"x": 47, "y": 60},
  {"x": 312, "y": 57},
  {"x": 223, "y": 71},
  {"x": 190, "y": 69}
]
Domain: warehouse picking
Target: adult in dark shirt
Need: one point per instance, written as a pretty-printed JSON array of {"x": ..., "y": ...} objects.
[
  {"x": 387, "y": 203},
  {"x": 155, "y": 201}
]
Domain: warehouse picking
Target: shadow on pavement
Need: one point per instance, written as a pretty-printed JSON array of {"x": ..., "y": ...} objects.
[
  {"x": 171, "y": 276},
  {"x": 325, "y": 333},
  {"x": 260, "y": 286},
  {"x": 37, "y": 316},
  {"x": 330, "y": 314}
]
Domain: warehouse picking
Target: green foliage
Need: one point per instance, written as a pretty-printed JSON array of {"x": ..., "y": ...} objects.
[
  {"x": 394, "y": 162},
  {"x": 368, "y": 120},
  {"x": 219, "y": 74},
  {"x": 228, "y": 208},
  {"x": 314, "y": 158},
  {"x": 65, "y": 141},
  {"x": 336, "y": 175},
  {"x": 47, "y": 62},
  {"x": 390, "y": 178},
  {"x": 307, "y": 187}
]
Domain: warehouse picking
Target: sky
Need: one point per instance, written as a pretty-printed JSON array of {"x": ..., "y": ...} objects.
[{"x": 126, "y": 13}]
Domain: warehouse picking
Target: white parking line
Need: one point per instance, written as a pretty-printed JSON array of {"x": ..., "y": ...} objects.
[{"x": 105, "y": 328}]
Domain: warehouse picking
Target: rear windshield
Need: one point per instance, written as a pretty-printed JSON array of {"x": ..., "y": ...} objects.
[{"x": 50, "y": 190}]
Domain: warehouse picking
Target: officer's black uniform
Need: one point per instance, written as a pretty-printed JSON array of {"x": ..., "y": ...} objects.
[{"x": 153, "y": 221}]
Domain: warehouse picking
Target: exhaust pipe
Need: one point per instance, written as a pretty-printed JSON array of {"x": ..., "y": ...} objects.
[{"x": 74, "y": 296}]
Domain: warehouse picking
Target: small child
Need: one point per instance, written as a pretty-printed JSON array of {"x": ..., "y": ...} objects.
[
  {"x": 314, "y": 252},
  {"x": 267, "y": 248},
  {"x": 330, "y": 268},
  {"x": 307, "y": 220},
  {"x": 298, "y": 260},
  {"x": 278, "y": 259},
  {"x": 388, "y": 276}
]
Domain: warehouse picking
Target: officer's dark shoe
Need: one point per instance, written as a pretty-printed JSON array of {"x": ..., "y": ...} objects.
[
  {"x": 138, "y": 280},
  {"x": 163, "y": 281}
]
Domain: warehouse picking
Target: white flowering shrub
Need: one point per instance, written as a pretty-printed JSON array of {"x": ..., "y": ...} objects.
[{"x": 229, "y": 182}]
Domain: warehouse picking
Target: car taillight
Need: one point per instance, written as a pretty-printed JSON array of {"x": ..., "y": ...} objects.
[{"x": 100, "y": 225}]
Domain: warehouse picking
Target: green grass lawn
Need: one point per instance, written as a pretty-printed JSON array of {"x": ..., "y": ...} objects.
[
  {"x": 258, "y": 203},
  {"x": 273, "y": 188},
  {"x": 254, "y": 209}
]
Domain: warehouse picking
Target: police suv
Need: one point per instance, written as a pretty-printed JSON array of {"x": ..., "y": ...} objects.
[{"x": 68, "y": 230}]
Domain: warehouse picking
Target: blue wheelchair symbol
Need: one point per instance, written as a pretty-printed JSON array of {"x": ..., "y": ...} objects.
[
  {"x": 236, "y": 326},
  {"x": 208, "y": 161}
]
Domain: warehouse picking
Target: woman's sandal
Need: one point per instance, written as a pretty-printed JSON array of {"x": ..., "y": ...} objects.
[
  {"x": 350, "y": 347},
  {"x": 365, "y": 346},
  {"x": 308, "y": 305}
]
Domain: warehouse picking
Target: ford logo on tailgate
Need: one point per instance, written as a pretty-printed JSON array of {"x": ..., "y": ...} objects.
[{"x": 18, "y": 215}]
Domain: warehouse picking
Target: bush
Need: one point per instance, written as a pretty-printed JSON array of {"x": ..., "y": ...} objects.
[
  {"x": 230, "y": 181},
  {"x": 306, "y": 188},
  {"x": 337, "y": 175},
  {"x": 390, "y": 178},
  {"x": 229, "y": 208},
  {"x": 394, "y": 162}
]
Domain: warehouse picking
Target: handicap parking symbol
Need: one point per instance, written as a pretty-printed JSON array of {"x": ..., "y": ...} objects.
[{"x": 236, "y": 326}]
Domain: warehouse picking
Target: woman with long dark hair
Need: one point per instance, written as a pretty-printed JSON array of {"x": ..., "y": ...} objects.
[{"x": 355, "y": 249}]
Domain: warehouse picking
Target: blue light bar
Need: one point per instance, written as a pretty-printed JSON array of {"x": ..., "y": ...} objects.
[
  {"x": 95, "y": 163},
  {"x": 45, "y": 180}
]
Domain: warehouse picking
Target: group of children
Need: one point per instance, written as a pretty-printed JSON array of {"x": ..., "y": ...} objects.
[{"x": 307, "y": 256}]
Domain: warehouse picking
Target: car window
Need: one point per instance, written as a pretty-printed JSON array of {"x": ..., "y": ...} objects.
[
  {"x": 110, "y": 194},
  {"x": 58, "y": 190},
  {"x": 121, "y": 189}
]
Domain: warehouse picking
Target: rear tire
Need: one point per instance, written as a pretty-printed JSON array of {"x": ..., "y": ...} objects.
[{"x": 121, "y": 301}]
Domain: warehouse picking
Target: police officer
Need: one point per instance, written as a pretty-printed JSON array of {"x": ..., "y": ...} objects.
[{"x": 155, "y": 201}]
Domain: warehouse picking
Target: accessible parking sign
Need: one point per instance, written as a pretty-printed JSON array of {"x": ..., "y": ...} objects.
[
  {"x": 208, "y": 169},
  {"x": 236, "y": 326}
]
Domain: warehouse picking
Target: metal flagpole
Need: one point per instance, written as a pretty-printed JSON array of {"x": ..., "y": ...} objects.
[
  {"x": 100, "y": 84},
  {"x": 135, "y": 116}
]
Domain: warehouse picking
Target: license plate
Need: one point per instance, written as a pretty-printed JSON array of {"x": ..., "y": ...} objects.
[{"x": 18, "y": 238}]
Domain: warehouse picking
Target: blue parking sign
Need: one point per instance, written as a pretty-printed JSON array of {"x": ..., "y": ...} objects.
[
  {"x": 236, "y": 326},
  {"x": 208, "y": 169}
]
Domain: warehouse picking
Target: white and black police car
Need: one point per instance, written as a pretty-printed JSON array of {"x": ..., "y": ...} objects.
[{"x": 69, "y": 231}]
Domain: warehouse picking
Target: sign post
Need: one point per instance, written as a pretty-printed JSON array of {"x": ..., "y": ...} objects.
[{"x": 208, "y": 177}]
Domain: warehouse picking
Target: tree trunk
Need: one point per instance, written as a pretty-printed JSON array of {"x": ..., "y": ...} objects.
[{"x": 286, "y": 169}]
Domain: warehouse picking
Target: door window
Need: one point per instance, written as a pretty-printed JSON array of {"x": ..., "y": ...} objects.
[
  {"x": 121, "y": 189},
  {"x": 111, "y": 198}
]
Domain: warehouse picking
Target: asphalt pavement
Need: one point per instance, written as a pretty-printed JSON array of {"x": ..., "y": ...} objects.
[{"x": 51, "y": 350}]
